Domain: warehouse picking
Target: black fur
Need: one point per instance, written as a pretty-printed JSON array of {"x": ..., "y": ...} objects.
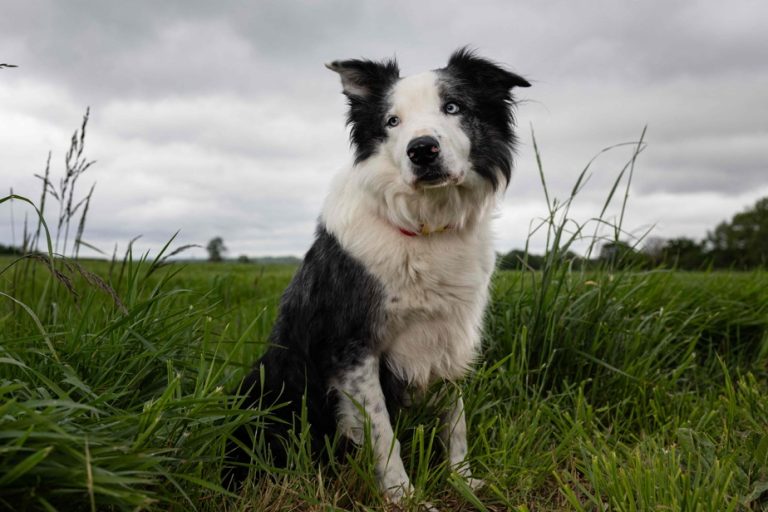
[
  {"x": 328, "y": 322},
  {"x": 483, "y": 91},
  {"x": 368, "y": 103}
]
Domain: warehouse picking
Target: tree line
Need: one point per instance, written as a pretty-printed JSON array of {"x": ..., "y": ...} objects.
[
  {"x": 740, "y": 244},
  {"x": 10, "y": 250}
]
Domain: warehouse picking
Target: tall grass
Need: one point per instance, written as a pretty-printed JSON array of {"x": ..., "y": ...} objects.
[
  {"x": 598, "y": 389},
  {"x": 111, "y": 396}
]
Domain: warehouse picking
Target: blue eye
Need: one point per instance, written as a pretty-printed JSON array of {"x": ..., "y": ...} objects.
[
  {"x": 451, "y": 108},
  {"x": 393, "y": 121}
]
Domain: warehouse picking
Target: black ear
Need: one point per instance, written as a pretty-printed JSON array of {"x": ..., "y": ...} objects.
[
  {"x": 482, "y": 72},
  {"x": 362, "y": 78}
]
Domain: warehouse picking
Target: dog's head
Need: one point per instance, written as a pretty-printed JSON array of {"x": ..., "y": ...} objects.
[{"x": 451, "y": 127}]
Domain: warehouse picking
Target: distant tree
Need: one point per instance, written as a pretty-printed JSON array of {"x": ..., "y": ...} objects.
[
  {"x": 519, "y": 260},
  {"x": 574, "y": 260},
  {"x": 216, "y": 249},
  {"x": 620, "y": 254},
  {"x": 513, "y": 260},
  {"x": 9, "y": 249},
  {"x": 685, "y": 254},
  {"x": 653, "y": 249},
  {"x": 243, "y": 259},
  {"x": 743, "y": 242}
]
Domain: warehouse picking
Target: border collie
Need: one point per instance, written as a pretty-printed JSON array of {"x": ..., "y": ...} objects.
[{"x": 390, "y": 297}]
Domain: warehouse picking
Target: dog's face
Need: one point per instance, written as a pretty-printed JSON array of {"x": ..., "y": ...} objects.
[{"x": 451, "y": 127}]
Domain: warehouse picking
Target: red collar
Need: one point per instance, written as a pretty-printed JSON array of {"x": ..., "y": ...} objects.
[{"x": 425, "y": 231}]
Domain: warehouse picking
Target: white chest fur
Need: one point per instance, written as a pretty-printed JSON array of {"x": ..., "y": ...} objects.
[
  {"x": 436, "y": 286},
  {"x": 436, "y": 293}
]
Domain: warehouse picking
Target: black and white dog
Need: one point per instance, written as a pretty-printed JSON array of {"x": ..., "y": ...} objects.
[{"x": 391, "y": 296}]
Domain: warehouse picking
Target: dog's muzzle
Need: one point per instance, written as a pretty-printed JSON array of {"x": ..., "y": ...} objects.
[{"x": 423, "y": 152}]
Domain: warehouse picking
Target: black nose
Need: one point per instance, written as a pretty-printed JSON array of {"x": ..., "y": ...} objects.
[{"x": 423, "y": 150}]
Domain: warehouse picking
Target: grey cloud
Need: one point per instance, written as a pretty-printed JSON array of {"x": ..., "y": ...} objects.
[
  {"x": 261, "y": 128},
  {"x": 728, "y": 164},
  {"x": 150, "y": 49}
]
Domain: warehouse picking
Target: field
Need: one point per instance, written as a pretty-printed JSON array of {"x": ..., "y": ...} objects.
[{"x": 597, "y": 390}]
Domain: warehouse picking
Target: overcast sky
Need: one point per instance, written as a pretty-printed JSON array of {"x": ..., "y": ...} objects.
[{"x": 219, "y": 118}]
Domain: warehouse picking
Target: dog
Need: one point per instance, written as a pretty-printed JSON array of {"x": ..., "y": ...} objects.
[{"x": 391, "y": 296}]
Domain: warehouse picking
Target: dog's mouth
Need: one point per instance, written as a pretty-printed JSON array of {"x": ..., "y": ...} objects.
[
  {"x": 432, "y": 177},
  {"x": 435, "y": 183}
]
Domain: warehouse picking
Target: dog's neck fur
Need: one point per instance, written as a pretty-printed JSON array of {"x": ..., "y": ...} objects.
[
  {"x": 436, "y": 286},
  {"x": 366, "y": 192}
]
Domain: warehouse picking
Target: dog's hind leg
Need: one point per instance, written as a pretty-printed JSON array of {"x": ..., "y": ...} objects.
[
  {"x": 361, "y": 398},
  {"x": 454, "y": 436}
]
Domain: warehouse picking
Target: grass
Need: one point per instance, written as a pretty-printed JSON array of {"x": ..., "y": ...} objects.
[
  {"x": 622, "y": 391},
  {"x": 597, "y": 389}
]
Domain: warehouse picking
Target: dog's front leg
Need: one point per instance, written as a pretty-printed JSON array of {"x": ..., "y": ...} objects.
[
  {"x": 454, "y": 436},
  {"x": 361, "y": 396}
]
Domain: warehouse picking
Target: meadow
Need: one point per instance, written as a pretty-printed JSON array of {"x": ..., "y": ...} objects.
[
  {"x": 599, "y": 387},
  {"x": 596, "y": 390}
]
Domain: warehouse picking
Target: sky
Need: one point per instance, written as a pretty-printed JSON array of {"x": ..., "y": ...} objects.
[{"x": 220, "y": 119}]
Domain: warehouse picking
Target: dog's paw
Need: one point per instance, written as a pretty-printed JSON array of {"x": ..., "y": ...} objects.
[
  {"x": 394, "y": 482},
  {"x": 403, "y": 505},
  {"x": 475, "y": 483},
  {"x": 472, "y": 482},
  {"x": 396, "y": 492}
]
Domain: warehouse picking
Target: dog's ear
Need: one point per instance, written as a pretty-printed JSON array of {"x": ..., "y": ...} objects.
[
  {"x": 363, "y": 78},
  {"x": 483, "y": 73}
]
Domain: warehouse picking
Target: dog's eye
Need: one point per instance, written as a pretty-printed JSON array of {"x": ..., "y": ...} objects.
[
  {"x": 393, "y": 121},
  {"x": 451, "y": 108}
]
